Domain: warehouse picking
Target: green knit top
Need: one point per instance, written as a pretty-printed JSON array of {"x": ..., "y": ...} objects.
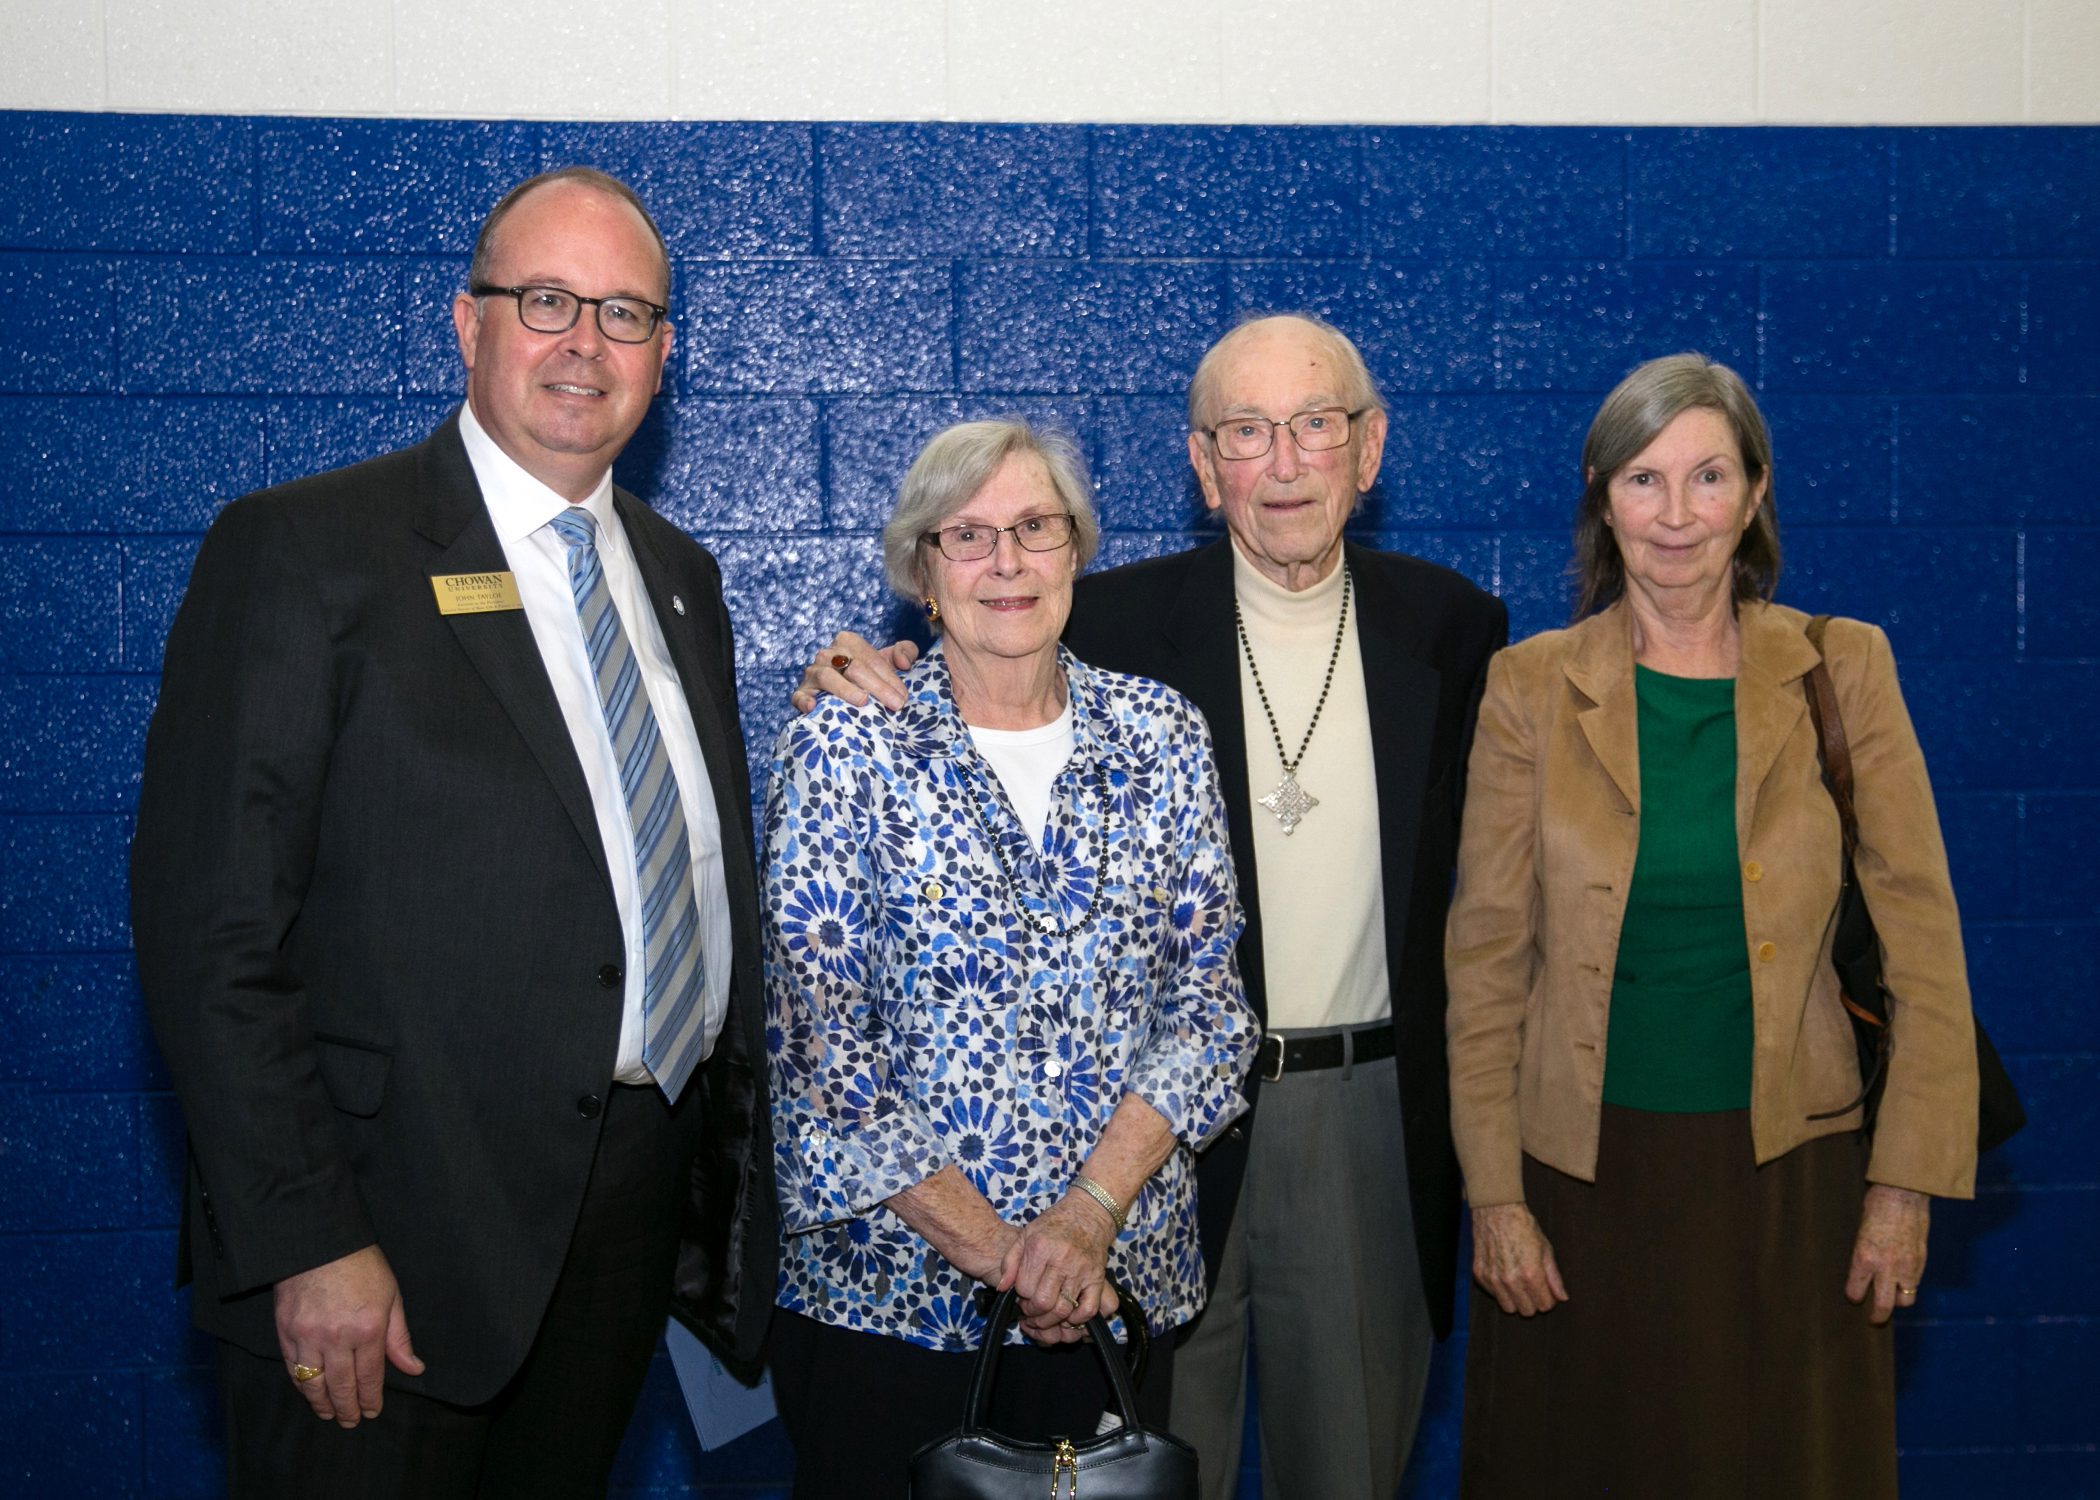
[{"x": 1681, "y": 1037}]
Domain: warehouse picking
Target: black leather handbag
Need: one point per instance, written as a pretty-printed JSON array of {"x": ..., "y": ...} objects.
[
  {"x": 1855, "y": 948},
  {"x": 1130, "y": 1463}
]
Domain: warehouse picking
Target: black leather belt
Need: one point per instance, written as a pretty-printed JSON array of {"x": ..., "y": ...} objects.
[{"x": 1295, "y": 1054}]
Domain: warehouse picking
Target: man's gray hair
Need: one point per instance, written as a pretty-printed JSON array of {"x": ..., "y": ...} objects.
[
  {"x": 955, "y": 465},
  {"x": 1358, "y": 390}
]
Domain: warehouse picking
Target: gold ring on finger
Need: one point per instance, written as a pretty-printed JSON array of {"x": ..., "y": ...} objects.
[{"x": 304, "y": 1373}]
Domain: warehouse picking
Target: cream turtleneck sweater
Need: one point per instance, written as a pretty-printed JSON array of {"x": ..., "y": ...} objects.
[{"x": 1322, "y": 896}]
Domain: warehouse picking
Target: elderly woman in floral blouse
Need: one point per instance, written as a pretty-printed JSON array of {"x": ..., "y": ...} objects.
[{"x": 1003, "y": 1004}]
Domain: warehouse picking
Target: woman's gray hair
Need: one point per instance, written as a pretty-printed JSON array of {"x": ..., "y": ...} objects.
[
  {"x": 955, "y": 465},
  {"x": 1642, "y": 405}
]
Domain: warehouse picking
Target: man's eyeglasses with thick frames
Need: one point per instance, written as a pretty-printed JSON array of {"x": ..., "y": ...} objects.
[
  {"x": 1314, "y": 431},
  {"x": 551, "y": 309},
  {"x": 971, "y": 543}
]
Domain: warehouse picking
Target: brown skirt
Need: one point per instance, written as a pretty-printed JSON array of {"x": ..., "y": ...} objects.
[{"x": 1706, "y": 1348}]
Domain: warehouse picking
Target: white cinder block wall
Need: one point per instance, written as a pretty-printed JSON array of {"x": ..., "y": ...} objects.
[{"x": 1618, "y": 62}]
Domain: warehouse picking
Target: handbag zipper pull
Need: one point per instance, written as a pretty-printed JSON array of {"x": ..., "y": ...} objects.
[{"x": 1065, "y": 1463}]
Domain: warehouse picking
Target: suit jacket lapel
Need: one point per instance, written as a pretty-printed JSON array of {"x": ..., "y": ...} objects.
[
  {"x": 1401, "y": 692},
  {"x": 1769, "y": 704},
  {"x": 1601, "y": 668},
  {"x": 500, "y": 643},
  {"x": 1198, "y": 627}
]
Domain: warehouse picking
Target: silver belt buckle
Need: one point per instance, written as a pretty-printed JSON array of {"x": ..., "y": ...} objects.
[{"x": 1268, "y": 1076}]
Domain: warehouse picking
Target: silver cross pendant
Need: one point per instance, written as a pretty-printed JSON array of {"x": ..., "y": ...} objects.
[{"x": 1290, "y": 802}]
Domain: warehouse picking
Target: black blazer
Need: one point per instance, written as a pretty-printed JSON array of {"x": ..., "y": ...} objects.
[
  {"x": 377, "y": 936},
  {"x": 1426, "y": 634}
]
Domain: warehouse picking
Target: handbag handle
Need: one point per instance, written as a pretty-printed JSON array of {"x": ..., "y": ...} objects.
[
  {"x": 1002, "y": 1319},
  {"x": 1868, "y": 1010},
  {"x": 1830, "y": 734}
]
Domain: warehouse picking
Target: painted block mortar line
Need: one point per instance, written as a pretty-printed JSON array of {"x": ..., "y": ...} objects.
[
  {"x": 1895, "y": 204},
  {"x": 1761, "y": 329},
  {"x": 817, "y": 136},
  {"x": 822, "y": 438},
  {"x": 1626, "y": 239},
  {"x": 402, "y": 352},
  {"x": 1360, "y": 201},
  {"x": 1895, "y": 468},
  {"x": 957, "y": 274},
  {"x": 1092, "y": 238},
  {"x": 255, "y": 186},
  {"x": 2020, "y": 594}
]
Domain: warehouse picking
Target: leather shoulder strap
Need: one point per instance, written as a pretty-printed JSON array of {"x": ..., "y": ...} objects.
[{"x": 1830, "y": 735}]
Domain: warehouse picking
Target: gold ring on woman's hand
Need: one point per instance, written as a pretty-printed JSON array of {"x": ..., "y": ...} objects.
[{"x": 304, "y": 1373}]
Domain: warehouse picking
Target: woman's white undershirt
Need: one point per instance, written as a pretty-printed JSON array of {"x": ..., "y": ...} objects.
[{"x": 1027, "y": 762}]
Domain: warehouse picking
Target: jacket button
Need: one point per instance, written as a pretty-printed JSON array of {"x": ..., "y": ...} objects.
[
  {"x": 609, "y": 976},
  {"x": 1235, "y": 1134},
  {"x": 1766, "y": 952},
  {"x": 1753, "y": 872},
  {"x": 589, "y": 1106}
]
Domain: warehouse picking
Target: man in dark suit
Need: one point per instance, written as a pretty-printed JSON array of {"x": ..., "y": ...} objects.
[
  {"x": 446, "y": 917},
  {"x": 1341, "y": 685}
]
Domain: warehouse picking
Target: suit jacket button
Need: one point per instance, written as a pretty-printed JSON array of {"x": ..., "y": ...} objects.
[
  {"x": 589, "y": 1106},
  {"x": 609, "y": 976},
  {"x": 1235, "y": 1134}
]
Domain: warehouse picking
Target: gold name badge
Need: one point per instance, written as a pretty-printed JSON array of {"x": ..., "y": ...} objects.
[{"x": 475, "y": 593}]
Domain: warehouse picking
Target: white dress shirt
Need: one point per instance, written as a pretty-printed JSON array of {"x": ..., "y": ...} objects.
[{"x": 521, "y": 508}]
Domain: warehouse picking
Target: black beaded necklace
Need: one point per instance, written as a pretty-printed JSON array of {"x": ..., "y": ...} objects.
[
  {"x": 1290, "y": 802},
  {"x": 1013, "y": 891}
]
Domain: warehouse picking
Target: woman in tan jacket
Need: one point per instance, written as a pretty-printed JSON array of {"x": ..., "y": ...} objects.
[{"x": 1684, "y": 1276}]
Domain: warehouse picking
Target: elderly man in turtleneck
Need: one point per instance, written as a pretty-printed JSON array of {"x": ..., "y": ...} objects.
[{"x": 1340, "y": 684}]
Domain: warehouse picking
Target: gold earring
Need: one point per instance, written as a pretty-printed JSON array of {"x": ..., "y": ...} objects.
[{"x": 933, "y": 610}]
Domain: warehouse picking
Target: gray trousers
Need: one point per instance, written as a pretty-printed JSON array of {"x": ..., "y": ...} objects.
[{"x": 1320, "y": 1265}]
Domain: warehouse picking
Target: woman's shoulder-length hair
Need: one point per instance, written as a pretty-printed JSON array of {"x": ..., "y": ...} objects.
[{"x": 1641, "y": 406}]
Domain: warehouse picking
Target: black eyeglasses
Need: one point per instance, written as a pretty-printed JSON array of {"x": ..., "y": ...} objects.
[
  {"x": 1313, "y": 430},
  {"x": 972, "y": 543},
  {"x": 550, "y": 309}
]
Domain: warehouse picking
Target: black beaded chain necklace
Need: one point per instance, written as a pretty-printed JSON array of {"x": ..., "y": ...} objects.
[
  {"x": 1290, "y": 802},
  {"x": 1013, "y": 889}
]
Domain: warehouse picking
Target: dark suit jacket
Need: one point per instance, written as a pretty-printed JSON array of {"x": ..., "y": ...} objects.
[
  {"x": 377, "y": 936},
  {"x": 1426, "y": 634}
]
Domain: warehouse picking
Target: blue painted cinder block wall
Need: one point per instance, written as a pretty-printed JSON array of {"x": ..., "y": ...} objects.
[{"x": 199, "y": 306}]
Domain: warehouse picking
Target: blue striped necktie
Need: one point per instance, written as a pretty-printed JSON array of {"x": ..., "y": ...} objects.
[{"x": 672, "y": 973}]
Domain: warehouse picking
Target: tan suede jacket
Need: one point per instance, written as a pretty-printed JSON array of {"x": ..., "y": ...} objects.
[{"x": 1552, "y": 824}]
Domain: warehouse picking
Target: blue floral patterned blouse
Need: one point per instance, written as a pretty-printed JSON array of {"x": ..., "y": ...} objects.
[{"x": 915, "y": 1019}]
